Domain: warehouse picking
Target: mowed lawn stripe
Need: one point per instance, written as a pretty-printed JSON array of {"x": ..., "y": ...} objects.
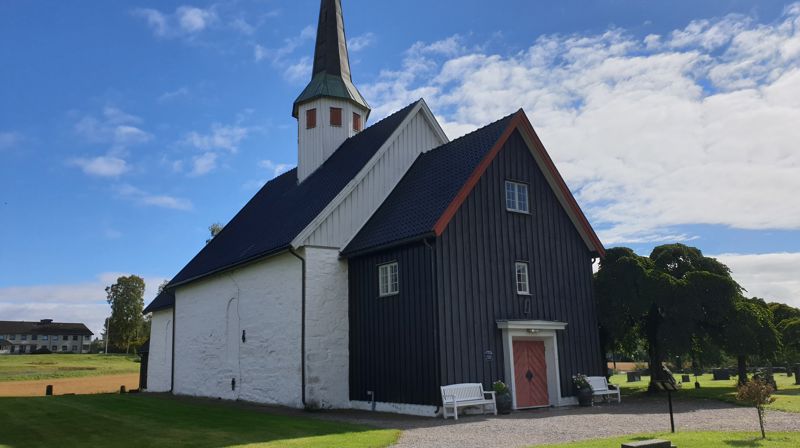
[
  {"x": 43, "y": 367},
  {"x": 146, "y": 420}
]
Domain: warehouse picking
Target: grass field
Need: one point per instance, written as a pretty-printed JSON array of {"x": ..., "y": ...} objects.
[
  {"x": 697, "y": 440},
  {"x": 787, "y": 396},
  {"x": 43, "y": 367},
  {"x": 136, "y": 420}
]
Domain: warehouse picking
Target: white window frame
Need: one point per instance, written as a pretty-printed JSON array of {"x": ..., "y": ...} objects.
[
  {"x": 388, "y": 279},
  {"x": 514, "y": 192},
  {"x": 522, "y": 280}
]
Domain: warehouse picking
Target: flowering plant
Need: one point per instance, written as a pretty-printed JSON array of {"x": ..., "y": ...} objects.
[
  {"x": 581, "y": 381},
  {"x": 500, "y": 387}
]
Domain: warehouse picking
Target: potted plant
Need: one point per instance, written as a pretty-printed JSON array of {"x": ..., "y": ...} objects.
[
  {"x": 581, "y": 383},
  {"x": 503, "y": 397}
]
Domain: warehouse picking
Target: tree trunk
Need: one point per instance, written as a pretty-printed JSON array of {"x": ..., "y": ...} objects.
[
  {"x": 761, "y": 421},
  {"x": 742, "y": 364},
  {"x": 654, "y": 351}
]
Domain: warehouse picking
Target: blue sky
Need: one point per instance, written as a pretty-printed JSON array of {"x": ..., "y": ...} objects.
[{"x": 126, "y": 128}]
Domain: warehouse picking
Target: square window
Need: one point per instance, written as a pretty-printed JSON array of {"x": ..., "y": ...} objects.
[
  {"x": 23, "y": 337},
  {"x": 54, "y": 348},
  {"x": 55, "y": 338},
  {"x": 311, "y": 118},
  {"x": 388, "y": 279},
  {"x": 523, "y": 286},
  {"x": 74, "y": 348},
  {"x": 336, "y": 116},
  {"x": 44, "y": 337},
  {"x": 517, "y": 197},
  {"x": 64, "y": 348},
  {"x": 75, "y": 338},
  {"x": 356, "y": 122},
  {"x": 34, "y": 337},
  {"x": 12, "y": 337}
]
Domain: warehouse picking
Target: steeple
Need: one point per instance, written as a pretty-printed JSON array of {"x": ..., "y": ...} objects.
[{"x": 331, "y": 76}]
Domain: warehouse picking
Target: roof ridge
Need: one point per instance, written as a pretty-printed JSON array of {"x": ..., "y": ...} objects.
[{"x": 476, "y": 131}]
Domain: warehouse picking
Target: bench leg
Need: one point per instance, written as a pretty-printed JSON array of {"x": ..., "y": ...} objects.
[{"x": 455, "y": 412}]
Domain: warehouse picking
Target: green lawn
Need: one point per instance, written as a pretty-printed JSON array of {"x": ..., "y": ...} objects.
[
  {"x": 787, "y": 396},
  {"x": 698, "y": 440},
  {"x": 137, "y": 420},
  {"x": 45, "y": 367}
]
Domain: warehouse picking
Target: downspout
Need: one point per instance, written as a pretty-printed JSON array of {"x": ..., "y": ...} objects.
[
  {"x": 302, "y": 327},
  {"x": 172, "y": 363},
  {"x": 434, "y": 287}
]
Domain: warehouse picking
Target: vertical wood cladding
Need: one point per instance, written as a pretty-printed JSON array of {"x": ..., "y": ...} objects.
[
  {"x": 475, "y": 276},
  {"x": 393, "y": 349}
]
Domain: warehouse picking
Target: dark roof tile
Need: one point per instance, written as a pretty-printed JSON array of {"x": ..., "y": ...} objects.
[{"x": 43, "y": 327}]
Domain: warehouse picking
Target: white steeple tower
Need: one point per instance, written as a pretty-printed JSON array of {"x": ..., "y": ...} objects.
[{"x": 330, "y": 109}]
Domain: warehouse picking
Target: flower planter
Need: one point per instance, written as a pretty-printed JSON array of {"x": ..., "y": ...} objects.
[
  {"x": 585, "y": 397},
  {"x": 503, "y": 403}
]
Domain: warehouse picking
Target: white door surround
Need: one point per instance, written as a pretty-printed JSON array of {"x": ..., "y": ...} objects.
[{"x": 534, "y": 330}]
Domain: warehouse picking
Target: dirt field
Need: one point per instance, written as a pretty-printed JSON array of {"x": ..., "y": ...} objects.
[
  {"x": 61, "y": 386},
  {"x": 625, "y": 366}
]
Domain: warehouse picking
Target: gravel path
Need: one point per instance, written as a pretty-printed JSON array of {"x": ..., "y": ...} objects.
[{"x": 566, "y": 425}]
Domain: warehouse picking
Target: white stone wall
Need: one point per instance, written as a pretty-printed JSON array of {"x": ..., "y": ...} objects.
[
  {"x": 263, "y": 300},
  {"x": 159, "y": 361},
  {"x": 327, "y": 329}
]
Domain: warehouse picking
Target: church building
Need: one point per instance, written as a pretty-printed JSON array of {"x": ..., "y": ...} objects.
[{"x": 390, "y": 262}]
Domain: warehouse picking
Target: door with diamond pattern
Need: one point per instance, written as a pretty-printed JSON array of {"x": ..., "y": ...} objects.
[{"x": 530, "y": 374}]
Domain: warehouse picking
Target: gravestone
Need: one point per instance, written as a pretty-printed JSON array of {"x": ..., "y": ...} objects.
[
  {"x": 654, "y": 443},
  {"x": 722, "y": 374},
  {"x": 634, "y": 377},
  {"x": 797, "y": 374},
  {"x": 686, "y": 379}
]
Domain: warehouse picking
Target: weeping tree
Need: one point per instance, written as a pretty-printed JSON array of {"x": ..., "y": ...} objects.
[
  {"x": 750, "y": 331},
  {"x": 671, "y": 299}
]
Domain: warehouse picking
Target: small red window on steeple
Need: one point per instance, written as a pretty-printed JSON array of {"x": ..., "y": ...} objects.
[
  {"x": 311, "y": 118},
  {"x": 356, "y": 122},
  {"x": 336, "y": 116}
]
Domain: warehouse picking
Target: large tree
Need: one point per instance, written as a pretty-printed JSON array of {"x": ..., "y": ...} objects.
[
  {"x": 672, "y": 299},
  {"x": 126, "y": 323},
  {"x": 787, "y": 321},
  {"x": 750, "y": 331}
]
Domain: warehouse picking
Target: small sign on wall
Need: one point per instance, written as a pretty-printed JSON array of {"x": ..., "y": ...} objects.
[{"x": 488, "y": 356}]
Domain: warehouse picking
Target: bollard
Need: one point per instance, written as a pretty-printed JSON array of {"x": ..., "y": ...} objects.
[
  {"x": 48, "y": 391},
  {"x": 122, "y": 389}
]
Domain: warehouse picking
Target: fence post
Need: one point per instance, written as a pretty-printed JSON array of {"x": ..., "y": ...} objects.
[{"x": 48, "y": 391}]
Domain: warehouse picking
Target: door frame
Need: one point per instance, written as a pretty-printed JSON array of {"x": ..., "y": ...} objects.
[{"x": 534, "y": 330}]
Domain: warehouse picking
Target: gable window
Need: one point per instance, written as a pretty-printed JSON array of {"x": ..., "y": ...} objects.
[
  {"x": 517, "y": 197},
  {"x": 356, "y": 122},
  {"x": 523, "y": 286},
  {"x": 311, "y": 118},
  {"x": 336, "y": 116},
  {"x": 388, "y": 279}
]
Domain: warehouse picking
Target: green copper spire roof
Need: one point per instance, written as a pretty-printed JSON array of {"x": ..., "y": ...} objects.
[{"x": 331, "y": 76}]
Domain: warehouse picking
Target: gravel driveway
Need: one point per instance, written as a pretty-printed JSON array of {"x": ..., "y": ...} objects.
[{"x": 564, "y": 425}]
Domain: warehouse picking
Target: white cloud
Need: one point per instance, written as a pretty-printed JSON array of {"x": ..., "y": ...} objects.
[
  {"x": 696, "y": 127},
  {"x": 9, "y": 140},
  {"x": 226, "y": 137},
  {"x": 204, "y": 163},
  {"x": 280, "y": 57},
  {"x": 358, "y": 43},
  {"x": 774, "y": 277},
  {"x": 276, "y": 168},
  {"x": 173, "y": 94},
  {"x": 103, "y": 166},
  {"x": 298, "y": 71},
  {"x": 185, "y": 21},
  {"x": 78, "y": 302},
  {"x": 142, "y": 197}
]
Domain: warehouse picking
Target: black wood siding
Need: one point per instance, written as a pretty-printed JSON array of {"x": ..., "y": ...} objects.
[
  {"x": 393, "y": 347},
  {"x": 475, "y": 276}
]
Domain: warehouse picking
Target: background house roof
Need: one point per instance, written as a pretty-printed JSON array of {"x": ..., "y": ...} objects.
[
  {"x": 43, "y": 327},
  {"x": 283, "y": 208},
  {"x": 429, "y": 186}
]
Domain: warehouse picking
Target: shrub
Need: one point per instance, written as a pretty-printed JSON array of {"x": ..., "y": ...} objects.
[
  {"x": 757, "y": 393},
  {"x": 500, "y": 388}
]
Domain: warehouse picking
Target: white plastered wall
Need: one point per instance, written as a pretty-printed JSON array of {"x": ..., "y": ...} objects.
[
  {"x": 262, "y": 300},
  {"x": 159, "y": 359},
  {"x": 327, "y": 329}
]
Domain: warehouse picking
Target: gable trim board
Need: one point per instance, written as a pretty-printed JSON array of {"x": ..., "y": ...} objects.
[
  {"x": 521, "y": 123},
  {"x": 420, "y": 107}
]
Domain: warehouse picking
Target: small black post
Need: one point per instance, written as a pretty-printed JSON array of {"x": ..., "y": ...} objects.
[
  {"x": 122, "y": 389},
  {"x": 671, "y": 417},
  {"x": 48, "y": 391}
]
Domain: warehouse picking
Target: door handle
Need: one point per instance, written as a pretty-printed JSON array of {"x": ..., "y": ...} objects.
[{"x": 529, "y": 375}]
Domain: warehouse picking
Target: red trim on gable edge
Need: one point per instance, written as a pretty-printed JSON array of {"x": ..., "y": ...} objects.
[{"x": 519, "y": 121}]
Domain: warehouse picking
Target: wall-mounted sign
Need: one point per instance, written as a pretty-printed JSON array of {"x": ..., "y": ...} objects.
[{"x": 488, "y": 355}]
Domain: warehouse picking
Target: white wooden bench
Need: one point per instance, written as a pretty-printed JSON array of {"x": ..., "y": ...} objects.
[
  {"x": 601, "y": 388},
  {"x": 457, "y": 396}
]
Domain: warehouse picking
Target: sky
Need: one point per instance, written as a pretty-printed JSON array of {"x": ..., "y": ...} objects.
[{"x": 128, "y": 127}]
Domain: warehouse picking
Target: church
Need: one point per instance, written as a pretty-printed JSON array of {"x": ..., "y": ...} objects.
[{"x": 390, "y": 262}]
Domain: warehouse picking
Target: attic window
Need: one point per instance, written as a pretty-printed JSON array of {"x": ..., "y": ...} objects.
[
  {"x": 336, "y": 116},
  {"x": 311, "y": 118},
  {"x": 356, "y": 122},
  {"x": 517, "y": 197}
]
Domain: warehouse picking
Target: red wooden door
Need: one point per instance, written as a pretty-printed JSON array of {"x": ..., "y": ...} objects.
[{"x": 530, "y": 374}]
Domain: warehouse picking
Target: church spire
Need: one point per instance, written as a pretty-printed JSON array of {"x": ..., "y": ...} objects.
[{"x": 331, "y": 76}]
